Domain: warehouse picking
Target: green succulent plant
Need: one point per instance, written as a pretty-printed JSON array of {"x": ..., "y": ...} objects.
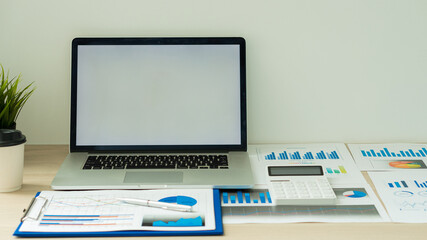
[{"x": 12, "y": 99}]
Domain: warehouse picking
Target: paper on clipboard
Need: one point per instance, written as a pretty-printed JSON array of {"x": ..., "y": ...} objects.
[{"x": 98, "y": 211}]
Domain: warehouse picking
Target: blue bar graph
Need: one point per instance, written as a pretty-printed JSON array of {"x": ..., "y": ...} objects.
[
  {"x": 283, "y": 156},
  {"x": 335, "y": 155},
  {"x": 401, "y": 184},
  {"x": 386, "y": 153},
  {"x": 421, "y": 184},
  {"x": 404, "y": 184},
  {"x": 300, "y": 154},
  {"x": 271, "y": 156},
  {"x": 383, "y": 153},
  {"x": 238, "y": 197}
]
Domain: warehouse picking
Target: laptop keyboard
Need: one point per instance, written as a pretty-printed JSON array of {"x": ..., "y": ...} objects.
[{"x": 156, "y": 162}]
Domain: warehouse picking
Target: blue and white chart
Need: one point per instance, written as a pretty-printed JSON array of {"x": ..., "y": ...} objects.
[
  {"x": 98, "y": 211},
  {"x": 304, "y": 153},
  {"x": 335, "y": 159},
  {"x": 394, "y": 156},
  {"x": 242, "y": 198},
  {"x": 403, "y": 193}
]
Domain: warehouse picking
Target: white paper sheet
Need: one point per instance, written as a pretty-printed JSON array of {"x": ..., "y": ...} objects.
[
  {"x": 390, "y": 157},
  {"x": 95, "y": 211},
  {"x": 403, "y": 193}
]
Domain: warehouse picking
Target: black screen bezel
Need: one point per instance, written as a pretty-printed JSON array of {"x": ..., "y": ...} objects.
[{"x": 158, "y": 41}]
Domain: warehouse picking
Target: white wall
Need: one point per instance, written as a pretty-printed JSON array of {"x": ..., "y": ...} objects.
[{"x": 318, "y": 71}]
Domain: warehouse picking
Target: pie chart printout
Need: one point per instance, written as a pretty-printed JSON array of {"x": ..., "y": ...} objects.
[{"x": 354, "y": 194}]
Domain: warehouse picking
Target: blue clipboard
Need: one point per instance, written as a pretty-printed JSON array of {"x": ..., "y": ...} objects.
[{"x": 217, "y": 231}]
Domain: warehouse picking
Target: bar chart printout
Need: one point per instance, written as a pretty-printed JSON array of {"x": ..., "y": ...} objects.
[
  {"x": 389, "y": 156},
  {"x": 386, "y": 153},
  {"x": 301, "y": 154},
  {"x": 245, "y": 197}
]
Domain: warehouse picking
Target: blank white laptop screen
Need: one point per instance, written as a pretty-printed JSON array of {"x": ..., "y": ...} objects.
[{"x": 158, "y": 95}]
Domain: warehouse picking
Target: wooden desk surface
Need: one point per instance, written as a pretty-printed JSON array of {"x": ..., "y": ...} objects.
[{"x": 42, "y": 162}]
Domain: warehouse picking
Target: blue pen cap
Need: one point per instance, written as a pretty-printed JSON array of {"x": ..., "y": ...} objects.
[{"x": 11, "y": 137}]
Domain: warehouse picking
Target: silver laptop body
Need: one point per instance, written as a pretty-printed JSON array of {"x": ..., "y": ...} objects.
[{"x": 157, "y": 113}]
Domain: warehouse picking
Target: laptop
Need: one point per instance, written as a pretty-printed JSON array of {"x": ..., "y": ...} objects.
[{"x": 149, "y": 113}]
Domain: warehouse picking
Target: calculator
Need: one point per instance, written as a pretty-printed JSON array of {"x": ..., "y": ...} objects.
[{"x": 299, "y": 185}]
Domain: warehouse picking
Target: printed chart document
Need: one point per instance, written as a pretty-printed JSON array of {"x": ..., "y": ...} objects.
[
  {"x": 337, "y": 162},
  {"x": 393, "y": 156},
  {"x": 101, "y": 211},
  {"x": 356, "y": 202},
  {"x": 404, "y": 194}
]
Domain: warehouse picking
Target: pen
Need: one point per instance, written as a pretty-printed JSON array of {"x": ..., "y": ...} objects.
[{"x": 163, "y": 205}]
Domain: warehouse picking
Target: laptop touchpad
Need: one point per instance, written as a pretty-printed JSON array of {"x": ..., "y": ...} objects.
[{"x": 153, "y": 177}]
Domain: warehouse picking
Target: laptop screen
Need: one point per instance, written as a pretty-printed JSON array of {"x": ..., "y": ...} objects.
[{"x": 158, "y": 94}]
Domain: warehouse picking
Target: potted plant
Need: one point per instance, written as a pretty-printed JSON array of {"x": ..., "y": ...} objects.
[{"x": 12, "y": 99}]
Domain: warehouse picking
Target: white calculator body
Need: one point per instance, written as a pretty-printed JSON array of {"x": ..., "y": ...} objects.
[{"x": 299, "y": 185}]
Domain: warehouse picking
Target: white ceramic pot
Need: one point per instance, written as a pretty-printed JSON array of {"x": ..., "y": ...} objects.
[{"x": 12, "y": 144}]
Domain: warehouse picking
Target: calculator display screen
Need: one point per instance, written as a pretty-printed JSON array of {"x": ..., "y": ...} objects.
[{"x": 294, "y": 170}]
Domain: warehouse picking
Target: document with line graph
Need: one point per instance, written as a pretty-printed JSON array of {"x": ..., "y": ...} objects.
[
  {"x": 100, "y": 211},
  {"x": 404, "y": 194}
]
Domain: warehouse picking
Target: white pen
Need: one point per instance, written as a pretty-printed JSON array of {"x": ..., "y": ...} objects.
[{"x": 163, "y": 205}]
